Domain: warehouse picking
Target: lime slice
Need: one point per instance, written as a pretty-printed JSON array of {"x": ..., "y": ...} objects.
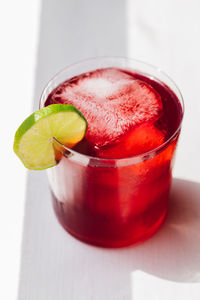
[{"x": 34, "y": 139}]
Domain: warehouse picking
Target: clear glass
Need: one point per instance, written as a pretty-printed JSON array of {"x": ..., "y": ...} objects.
[{"x": 112, "y": 202}]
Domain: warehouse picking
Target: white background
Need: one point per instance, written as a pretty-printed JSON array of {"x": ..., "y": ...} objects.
[{"x": 37, "y": 39}]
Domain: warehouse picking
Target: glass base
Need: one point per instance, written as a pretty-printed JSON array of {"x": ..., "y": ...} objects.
[
  {"x": 127, "y": 243},
  {"x": 134, "y": 236}
]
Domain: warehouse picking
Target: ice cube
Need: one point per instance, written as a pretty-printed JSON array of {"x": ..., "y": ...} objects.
[
  {"x": 112, "y": 101},
  {"x": 141, "y": 139}
]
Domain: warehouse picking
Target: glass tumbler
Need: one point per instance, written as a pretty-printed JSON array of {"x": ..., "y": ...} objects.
[{"x": 112, "y": 202}]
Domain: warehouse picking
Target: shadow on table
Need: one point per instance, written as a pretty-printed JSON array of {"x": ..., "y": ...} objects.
[{"x": 174, "y": 252}]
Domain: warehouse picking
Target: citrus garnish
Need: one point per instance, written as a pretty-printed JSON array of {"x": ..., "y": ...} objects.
[{"x": 34, "y": 139}]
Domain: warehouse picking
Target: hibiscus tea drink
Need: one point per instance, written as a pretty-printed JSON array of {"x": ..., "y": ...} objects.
[{"x": 112, "y": 188}]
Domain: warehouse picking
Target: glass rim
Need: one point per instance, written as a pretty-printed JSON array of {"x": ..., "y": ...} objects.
[{"x": 125, "y": 160}]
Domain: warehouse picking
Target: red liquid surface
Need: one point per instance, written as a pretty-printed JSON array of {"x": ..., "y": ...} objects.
[{"x": 107, "y": 205}]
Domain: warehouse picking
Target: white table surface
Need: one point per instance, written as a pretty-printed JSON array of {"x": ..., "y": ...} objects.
[{"x": 38, "y": 259}]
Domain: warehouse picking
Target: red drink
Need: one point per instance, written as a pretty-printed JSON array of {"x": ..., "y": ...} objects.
[{"x": 112, "y": 189}]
